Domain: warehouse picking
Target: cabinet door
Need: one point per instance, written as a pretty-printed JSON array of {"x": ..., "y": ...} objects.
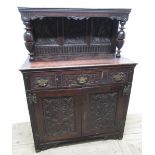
[
  {"x": 102, "y": 110},
  {"x": 57, "y": 115}
]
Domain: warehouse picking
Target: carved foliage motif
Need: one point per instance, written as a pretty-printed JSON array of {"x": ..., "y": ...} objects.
[
  {"x": 76, "y": 37},
  {"x": 42, "y": 13},
  {"x": 71, "y": 79},
  {"x": 74, "y": 79},
  {"x": 127, "y": 89},
  {"x": 31, "y": 98},
  {"x": 102, "y": 110},
  {"x": 119, "y": 76},
  {"x": 44, "y": 82},
  {"x": 77, "y": 18},
  {"x": 59, "y": 115},
  {"x": 65, "y": 31}
]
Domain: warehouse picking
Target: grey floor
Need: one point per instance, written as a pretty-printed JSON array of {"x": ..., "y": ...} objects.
[{"x": 130, "y": 144}]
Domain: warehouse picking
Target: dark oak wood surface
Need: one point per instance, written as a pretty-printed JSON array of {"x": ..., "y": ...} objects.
[
  {"x": 65, "y": 34},
  {"x": 70, "y": 101},
  {"x": 76, "y": 63},
  {"x": 77, "y": 85},
  {"x": 73, "y": 11}
]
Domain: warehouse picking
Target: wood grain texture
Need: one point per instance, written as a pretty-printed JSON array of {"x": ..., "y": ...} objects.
[
  {"x": 79, "y": 83},
  {"x": 75, "y": 86},
  {"x": 76, "y": 63},
  {"x": 33, "y": 13},
  {"x": 129, "y": 145},
  {"x": 63, "y": 33}
]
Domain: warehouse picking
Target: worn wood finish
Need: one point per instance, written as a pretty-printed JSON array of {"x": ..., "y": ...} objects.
[
  {"x": 56, "y": 12},
  {"x": 93, "y": 99},
  {"x": 129, "y": 145},
  {"x": 76, "y": 88},
  {"x": 109, "y": 62},
  {"x": 59, "y": 34}
]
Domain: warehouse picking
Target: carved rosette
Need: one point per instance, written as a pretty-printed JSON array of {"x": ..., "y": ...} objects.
[
  {"x": 28, "y": 37},
  {"x": 31, "y": 98},
  {"x": 120, "y": 37}
]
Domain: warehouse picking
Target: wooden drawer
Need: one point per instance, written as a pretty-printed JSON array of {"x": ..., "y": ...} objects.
[
  {"x": 86, "y": 78},
  {"x": 80, "y": 78},
  {"x": 43, "y": 80},
  {"x": 77, "y": 78}
]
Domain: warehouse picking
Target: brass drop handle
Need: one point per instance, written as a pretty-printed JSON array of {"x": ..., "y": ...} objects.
[
  {"x": 82, "y": 80},
  {"x": 42, "y": 82},
  {"x": 119, "y": 77}
]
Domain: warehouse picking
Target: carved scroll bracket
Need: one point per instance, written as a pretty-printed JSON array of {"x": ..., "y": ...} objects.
[
  {"x": 28, "y": 37},
  {"x": 120, "y": 18},
  {"x": 120, "y": 37}
]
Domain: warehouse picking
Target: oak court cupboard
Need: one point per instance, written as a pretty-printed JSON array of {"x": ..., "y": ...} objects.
[{"x": 77, "y": 84}]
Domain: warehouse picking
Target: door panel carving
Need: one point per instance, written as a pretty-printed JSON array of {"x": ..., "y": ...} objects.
[
  {"x": 59, "y": 115},
  {"x": 102, "y": 110}
]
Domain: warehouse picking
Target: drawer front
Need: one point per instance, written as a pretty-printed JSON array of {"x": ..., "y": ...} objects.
[
  {"x": 80, "y": 78},
  {"x": 43, "y": 80},
  {"x": 77, "y": 78},
  {"x": 118, "y": 76},
  {"x": 93, "y": 77}
]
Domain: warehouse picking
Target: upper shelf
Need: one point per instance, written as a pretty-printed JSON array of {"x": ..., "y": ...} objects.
[
  {"x": 32, "y": 13},
  {"x": 70, "y": 33}
]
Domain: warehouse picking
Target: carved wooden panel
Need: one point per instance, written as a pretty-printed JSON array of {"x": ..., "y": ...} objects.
[
  {"x": 59, "y": 115},
  {"x": 101, "y": 30},
  {"x": 77, "y": 78},
  {"x": 70, "y": 31},
  {"x": 101, "y": 110},
  {"x": 69, "y": 52},
  {"x": 45, "y": 28},
  {"x": 43, "y": 82},
  {"x": 81, "y": 79},
  {"x": 68, "y": 102},
  {"x": 121, "y": 76},
  {"x": 74, "y": 31}
]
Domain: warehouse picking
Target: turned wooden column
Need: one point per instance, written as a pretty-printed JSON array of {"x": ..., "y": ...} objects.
[
  {"x": 28, "y": 37},
  {"x": 120, "y": 38}
]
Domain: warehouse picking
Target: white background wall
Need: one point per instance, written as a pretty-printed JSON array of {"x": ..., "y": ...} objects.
[{"x": 139, "y": 46}]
